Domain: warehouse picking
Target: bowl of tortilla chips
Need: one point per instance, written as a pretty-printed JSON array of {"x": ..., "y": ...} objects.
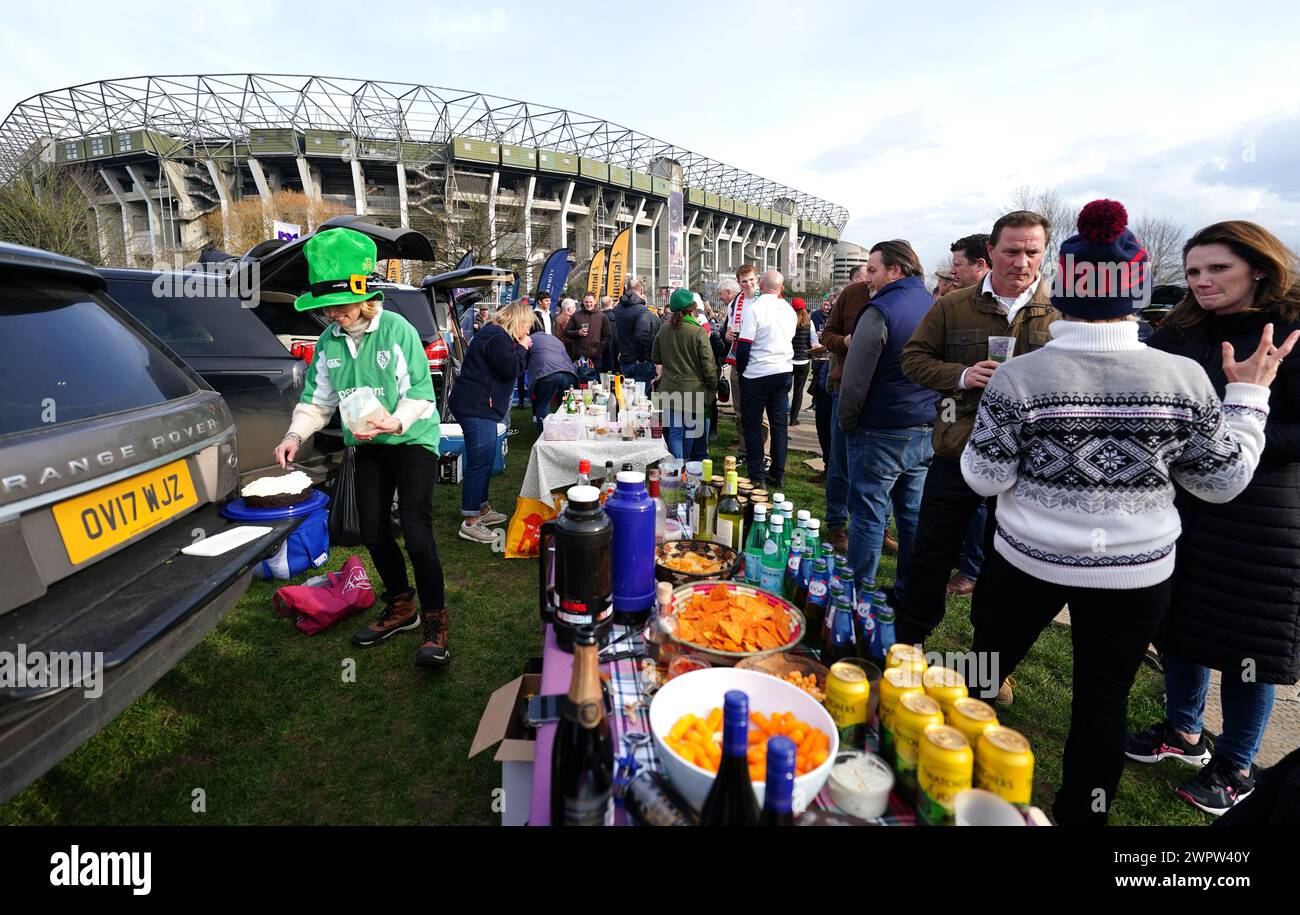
[
  {"x": 683, "y": 561},
  {"x": 727, "y": 621}
]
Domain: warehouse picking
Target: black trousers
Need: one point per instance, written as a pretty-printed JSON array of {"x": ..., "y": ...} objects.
[
  {"x": 1110, "y": 630},
  {"x": 947, "y": 505},
  {"x": 757, "y": 395},
  {"x": 796, "y": 392},
  {"x": 822, "y": 411},
  {"x": 410, "y": 472}
]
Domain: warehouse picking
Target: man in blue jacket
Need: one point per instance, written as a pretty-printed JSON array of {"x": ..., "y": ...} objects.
[{"x": 885, "y": 417}]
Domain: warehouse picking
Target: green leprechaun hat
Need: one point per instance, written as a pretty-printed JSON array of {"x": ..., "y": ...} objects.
[{"x": 338, "y": 264}]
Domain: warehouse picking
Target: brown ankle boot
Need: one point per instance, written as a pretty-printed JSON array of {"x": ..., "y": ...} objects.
[
  {"x": 400, "y": 613},
  {"x": 434, "y": 651}
]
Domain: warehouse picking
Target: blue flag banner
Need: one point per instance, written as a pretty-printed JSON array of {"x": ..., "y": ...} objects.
[{"x": 555, "y": 273}]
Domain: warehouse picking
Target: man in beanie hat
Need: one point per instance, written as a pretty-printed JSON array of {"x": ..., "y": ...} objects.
[
  {"x": 683, "y": 359},
  {"x": 366, "y": 347},
  {"x": 1082, "y": 442},
  {"x": 949, "y": 354}
]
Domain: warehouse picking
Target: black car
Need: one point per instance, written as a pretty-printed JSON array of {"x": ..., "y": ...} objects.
[{"x": 114, "y": 457}]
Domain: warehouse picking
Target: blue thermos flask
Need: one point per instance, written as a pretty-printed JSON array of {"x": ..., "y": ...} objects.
[{"x": 632, "y": 513}]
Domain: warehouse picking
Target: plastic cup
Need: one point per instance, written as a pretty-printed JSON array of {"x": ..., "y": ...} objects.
[{"x": 977, "y": 807}]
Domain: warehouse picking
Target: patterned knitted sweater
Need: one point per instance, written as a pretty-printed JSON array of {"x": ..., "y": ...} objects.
[{"x": 1082, "y": 441}]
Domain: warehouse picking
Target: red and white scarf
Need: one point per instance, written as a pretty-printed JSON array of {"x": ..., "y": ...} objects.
[{"x": 737, "y": 307}]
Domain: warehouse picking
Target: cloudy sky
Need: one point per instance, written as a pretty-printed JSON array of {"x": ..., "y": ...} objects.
[{"x": 920, "y": 118}]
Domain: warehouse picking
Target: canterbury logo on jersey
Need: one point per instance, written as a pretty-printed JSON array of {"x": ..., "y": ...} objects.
[{"x": 333, "y": 363}]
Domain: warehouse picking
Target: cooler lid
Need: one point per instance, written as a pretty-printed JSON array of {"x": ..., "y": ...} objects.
[{"x": 238, "y": 511}]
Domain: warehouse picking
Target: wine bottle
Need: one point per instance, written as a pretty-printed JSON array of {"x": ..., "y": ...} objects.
[
  {"x": 754, "y": 546},
  {"x": 729, "y": 529},
  {"x": 706, "y": 500},
  {"x": 731, "y": 801},
  {"x": 778, "y": 789},
  {"x": 582, "y": 761}
]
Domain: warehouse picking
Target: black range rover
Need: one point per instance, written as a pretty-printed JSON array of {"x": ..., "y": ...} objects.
[{"x": 114, "y": 456}]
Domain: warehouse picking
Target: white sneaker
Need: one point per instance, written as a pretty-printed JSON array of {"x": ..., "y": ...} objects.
[
  {"x": 491, "y": 517},
  {"x": 479, "y": 533}
]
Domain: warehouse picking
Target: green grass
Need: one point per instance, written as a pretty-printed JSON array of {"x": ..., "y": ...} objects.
[{"x": 259, "y": 718}]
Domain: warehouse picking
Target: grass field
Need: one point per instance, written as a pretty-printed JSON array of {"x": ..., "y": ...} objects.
[{"x": 259, "y": 717}]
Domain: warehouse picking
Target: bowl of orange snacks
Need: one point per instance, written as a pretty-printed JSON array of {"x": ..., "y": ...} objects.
[
  {"x": 686, "y": 722},
  {"x": 684, "y": 561},
  {"x": 727, "y": 621},
  {"x": 804, "y": 673}
]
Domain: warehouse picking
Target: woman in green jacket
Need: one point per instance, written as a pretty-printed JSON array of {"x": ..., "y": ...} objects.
[
  {"x": 688, "y": 378},
  {"x": 367, "y": 347}
]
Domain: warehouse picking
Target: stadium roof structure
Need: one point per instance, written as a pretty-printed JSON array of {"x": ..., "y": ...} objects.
[{"x": 222, "y": 108}]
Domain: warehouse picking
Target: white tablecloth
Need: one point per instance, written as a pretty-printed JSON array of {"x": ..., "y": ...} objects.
[{"x": 552, "y": 465}]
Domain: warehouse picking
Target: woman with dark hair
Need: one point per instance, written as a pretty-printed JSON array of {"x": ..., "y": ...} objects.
[
  {"x": 687, "y": 376},
  {"x": 1236, "y": 601}
]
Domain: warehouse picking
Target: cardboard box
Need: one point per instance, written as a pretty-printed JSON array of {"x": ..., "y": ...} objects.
[{"x": 502, "y": 723}]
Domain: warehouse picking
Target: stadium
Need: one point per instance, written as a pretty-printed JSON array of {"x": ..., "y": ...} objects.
[{"x": 157, "y": 156}]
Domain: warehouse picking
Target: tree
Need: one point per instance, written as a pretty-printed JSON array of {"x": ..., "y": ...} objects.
[
  {"x": 1163, "y": 238},
  {"x": 1047, "y": 202},
  {"x": 44, "y": 208},
  {"x": 245, "y": 223}
]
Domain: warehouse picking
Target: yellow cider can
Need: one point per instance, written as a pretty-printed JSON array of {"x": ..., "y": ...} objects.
[
  {"x": 945, "y": 766},
  {"x": 895, "y": 682},
  {"x": 904, "y": 655},
  {"x": 945, "y": 686},
  {"x": 914, "y": 713},
  {"x": 971, "y": 717},
  {"x": 847, "y": 692},
  {"x": 1004, "y": 764}
]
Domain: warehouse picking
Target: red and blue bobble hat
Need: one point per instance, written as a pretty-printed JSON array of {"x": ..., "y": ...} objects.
[{"x": 1103, "y": 271}]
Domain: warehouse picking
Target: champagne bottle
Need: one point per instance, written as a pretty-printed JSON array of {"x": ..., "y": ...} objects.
[
  {"x": 754, "y": 546},
  {"x": 729, "y": 529},
  {"x": 731, "y": 801},
  {"x": 582, "y": 760},
  {"x": 778, "y": 789}
]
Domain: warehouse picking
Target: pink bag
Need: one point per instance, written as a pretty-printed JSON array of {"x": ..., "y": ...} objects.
[{"x": 317, "y": 607}]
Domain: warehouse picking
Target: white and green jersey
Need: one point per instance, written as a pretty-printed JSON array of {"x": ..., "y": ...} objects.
[{"x": 390, "y": 359}]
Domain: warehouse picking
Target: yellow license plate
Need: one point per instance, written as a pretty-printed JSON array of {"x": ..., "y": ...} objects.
[{"x": 102, "y": 519}]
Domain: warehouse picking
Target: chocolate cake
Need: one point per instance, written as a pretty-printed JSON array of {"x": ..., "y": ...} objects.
[{"x": 277, "y": 492}]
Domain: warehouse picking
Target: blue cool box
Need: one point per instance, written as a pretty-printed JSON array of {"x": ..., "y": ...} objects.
[
  {"x": 451, "y": 443},
  {"x": 306, "y": 548}
]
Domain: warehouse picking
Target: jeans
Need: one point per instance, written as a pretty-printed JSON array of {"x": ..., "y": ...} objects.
[
  {"x": 837, "y": 473},
  {"x": 687, "y": 437},
  {"x": 410, "y": 472},
  {"x": 480, "y": 451},
  {"x": 1246, "y": 707},
  {"x": 638, "y": 371},
  {"x": 759, "y": 396},
  {"x": 972, "y": 551},
  {"x": 796, "y": 392},
  {"x": 947, "y": 505},
  {"x": 889, "y": 467},
  {"x": 545, "y": 392},
  {"x": 1110, "y": 630}
]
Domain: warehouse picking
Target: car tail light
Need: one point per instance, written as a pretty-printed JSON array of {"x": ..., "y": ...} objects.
[
  {"x": 304, "y": 351},
  {"x": 438, "y": 355}
]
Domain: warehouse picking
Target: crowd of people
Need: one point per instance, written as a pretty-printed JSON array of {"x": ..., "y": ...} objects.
[{"x": 1037, "y": 439}]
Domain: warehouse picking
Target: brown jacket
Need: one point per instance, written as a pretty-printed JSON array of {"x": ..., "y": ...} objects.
[
  {"x": 954, "y": 335},
  {"x": 593, "y": 345},
  {"x": 852, "y": 301}
]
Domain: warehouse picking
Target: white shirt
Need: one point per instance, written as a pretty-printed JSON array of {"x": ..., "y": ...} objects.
[
  {"x": 1012, "y": 304},
  {"x": 768, "y": 323}
]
